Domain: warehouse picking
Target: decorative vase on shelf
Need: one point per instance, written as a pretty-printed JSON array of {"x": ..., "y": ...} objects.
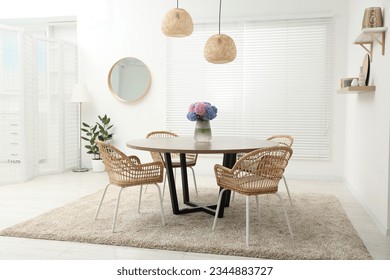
[
  {"x": 362, "y": 77},
  {"x": 202, "y": 131}
]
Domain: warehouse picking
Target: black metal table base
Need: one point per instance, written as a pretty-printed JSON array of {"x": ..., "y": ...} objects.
[
  {"x": 197, "y": 208},
  {"x": 228, "y": 161}
]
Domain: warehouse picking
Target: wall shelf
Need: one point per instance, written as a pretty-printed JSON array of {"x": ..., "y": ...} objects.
[
  {"x": 370, "y": 35},
  {"x": 357, "y": 89}
]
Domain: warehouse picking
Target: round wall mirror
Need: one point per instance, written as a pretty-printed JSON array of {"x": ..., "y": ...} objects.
[{"x": 129, "y": 79}]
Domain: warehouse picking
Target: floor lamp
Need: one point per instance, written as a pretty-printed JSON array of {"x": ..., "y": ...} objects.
[{"x": 80, "y": 95}]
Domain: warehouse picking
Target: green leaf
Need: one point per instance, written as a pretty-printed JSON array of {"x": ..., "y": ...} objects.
[{"x": 98, "y": 131}]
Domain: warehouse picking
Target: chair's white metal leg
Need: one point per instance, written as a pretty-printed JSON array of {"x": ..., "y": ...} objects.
[
  {"x": 165, "y": 179},
  {"x": 139, "y": 199},
  {"x": 217, "y": 210},
  {"x": 285, "y": 214},
  {"x": 161, "y": 204},
  {"x": 101, "y": 201},
  {"x": 258, "y": 206},
  {"x": 193, "y": 176},
  {"x": 233, "y": 193},
  {"x": 247, "y": 221},
  {"x": 288, "y": 192},
  {"x": 116, "y": 209}
]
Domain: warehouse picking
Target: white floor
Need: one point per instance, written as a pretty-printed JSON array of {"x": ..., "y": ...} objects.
[{"x": 20, "y": 202}]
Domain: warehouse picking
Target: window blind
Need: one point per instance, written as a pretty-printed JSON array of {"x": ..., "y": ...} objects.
[{"x": 280, "y": 82}]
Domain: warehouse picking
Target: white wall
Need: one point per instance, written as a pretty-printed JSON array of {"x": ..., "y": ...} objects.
[
  {"x": 367, "y": 123},
  {"x": 25, "y": 9}
]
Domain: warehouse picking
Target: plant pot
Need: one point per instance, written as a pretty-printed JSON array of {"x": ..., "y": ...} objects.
[{"x": 98, "y": 165}]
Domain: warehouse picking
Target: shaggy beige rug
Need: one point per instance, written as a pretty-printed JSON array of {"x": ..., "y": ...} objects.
[{"x": 321, "y": 227}]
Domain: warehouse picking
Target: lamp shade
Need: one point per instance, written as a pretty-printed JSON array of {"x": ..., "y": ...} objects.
[
  {"x": 80, "y": 94},
  {"x": 219, "y": 49},
  {"x": 177, "y": 23}
]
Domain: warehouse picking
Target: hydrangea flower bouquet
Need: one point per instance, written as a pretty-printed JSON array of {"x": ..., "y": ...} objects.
[{"x": 202, "y": 113}]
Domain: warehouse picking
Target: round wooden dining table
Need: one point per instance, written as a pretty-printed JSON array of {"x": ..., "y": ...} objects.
[{"x": 228, "y": 146}]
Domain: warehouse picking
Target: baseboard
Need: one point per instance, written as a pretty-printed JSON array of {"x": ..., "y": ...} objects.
[
  {"x": 316, "y": 177},
  {"x": 382, "y": 228}
]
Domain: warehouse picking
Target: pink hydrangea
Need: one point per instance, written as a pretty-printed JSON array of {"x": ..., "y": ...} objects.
[
  {"x": 191, "y": 108},
  {"x": 200, "y": 108}
]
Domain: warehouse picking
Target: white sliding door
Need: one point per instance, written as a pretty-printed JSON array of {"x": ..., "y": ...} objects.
[
  {"x": 39, "y": 123},
  {"x": 12, "y": 160}
]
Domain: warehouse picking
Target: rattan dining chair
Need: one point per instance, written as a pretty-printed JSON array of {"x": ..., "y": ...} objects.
[
  {"x": 127, "y": 171},
  {"x": 282, "y": 140},
  {"x": 256, "y": 173},
  {"x": 158, "y": 157}
]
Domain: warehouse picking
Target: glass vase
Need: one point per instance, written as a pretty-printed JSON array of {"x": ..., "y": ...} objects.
[{"x": 202, "y": 131}]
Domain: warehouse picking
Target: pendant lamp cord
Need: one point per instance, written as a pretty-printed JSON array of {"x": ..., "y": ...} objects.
[{"x": 219, "y": 21}]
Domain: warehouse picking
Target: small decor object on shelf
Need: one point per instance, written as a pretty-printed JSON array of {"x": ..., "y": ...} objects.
[
  {"x": 346, "y": 82},
  {"x": 372, "y": 17},
  {"x": 354, "y": 83},
  {"x": 99, "y": 131},
  {"x": 365, "y": 70},
  {"x": 202, "y": 113},
  {"x": 362, "y": 77}
]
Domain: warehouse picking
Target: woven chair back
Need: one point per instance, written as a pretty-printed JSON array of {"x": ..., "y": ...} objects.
[
  {"x": 156, "y": 156},
  {"x": 125, "y": 170},
  {"x": 257, "y": 172},
  {"x": 286, "y": 140}
]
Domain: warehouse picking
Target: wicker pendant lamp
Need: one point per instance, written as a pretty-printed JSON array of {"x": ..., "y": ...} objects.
[
  {"x": 177, "y": 23},
  {"x": 220, "y": 48}
]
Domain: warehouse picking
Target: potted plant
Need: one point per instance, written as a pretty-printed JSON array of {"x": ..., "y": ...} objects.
[{"x": 99, "y": 131}]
